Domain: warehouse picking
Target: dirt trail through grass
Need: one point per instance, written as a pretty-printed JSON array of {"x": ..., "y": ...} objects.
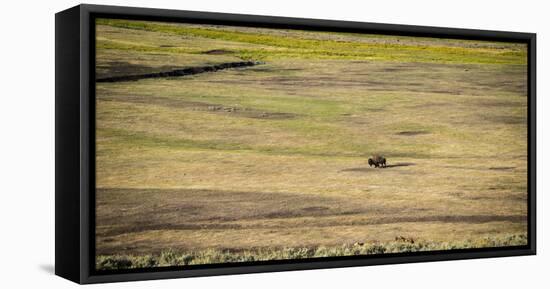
[{"x": 180, "y": 72}]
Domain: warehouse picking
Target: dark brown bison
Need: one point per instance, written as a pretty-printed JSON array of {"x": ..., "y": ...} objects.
[{"x": 377, "y": 161}]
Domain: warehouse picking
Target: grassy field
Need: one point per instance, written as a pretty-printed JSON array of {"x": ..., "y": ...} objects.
[
  {"x": 261, "y": 162},
  {"x": 218, "y": 256}
]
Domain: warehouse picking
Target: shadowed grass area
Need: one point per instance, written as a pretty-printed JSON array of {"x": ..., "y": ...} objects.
[{"x": 217, "y": 256}]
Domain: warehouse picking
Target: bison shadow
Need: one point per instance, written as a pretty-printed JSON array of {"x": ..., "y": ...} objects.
[
  {"x": 399, "y": 165},
  {"x": 365, "y": 169}
]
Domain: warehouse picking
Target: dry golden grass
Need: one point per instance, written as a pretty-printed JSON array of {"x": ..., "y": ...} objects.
[{"x": 217, "y": 256}]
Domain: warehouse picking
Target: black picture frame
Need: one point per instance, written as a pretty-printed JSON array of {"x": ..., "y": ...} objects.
[{"x": 75, "y": 145}]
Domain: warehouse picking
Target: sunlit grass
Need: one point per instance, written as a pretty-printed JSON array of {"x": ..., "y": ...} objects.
[
  {"x": 217, "y": 256},
  {"x": 294, "y": 47}
]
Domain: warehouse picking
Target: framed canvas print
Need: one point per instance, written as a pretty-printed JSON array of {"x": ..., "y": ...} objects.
[{"x": 193, "y": 144}]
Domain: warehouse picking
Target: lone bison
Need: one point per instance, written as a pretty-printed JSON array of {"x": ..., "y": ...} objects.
[{"x": 377, "y": 161}]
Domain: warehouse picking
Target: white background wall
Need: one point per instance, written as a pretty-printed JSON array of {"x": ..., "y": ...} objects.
[{"x": 27, "y": 143}]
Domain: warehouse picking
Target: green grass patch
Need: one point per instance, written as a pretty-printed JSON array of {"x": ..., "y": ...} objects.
[{"x": 297, "y": 47}]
